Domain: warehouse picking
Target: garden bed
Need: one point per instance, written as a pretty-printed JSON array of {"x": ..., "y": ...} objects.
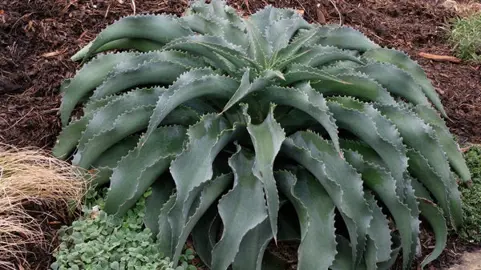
[{"x": 39, "y": 36}]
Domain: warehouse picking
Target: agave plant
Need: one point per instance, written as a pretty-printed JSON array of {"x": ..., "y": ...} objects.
[{"x": 264, "y": 129}]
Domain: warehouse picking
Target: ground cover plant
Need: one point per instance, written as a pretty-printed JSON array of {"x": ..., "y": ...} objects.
[
  {"x": 31, "y": 182},
  {"x": 102, "y": 241},
  {"x": 465, "y": 35},
  {"x": 238, "y": 119},
  {"x": 471, "y": 199}
]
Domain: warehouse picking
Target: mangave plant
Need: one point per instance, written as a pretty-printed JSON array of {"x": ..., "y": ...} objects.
[{"x": 260, "y": 129}]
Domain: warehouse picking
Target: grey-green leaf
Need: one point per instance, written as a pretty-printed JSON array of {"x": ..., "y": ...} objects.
[
  {"x": 315, "y": 210},
  {"x": 307, "y": 100},
  {"x": 382, "y": 183},
  {"x": 207, "y": 197},
  {"x": 162, "y": 190},
  {"x": 204, "y": 234},
  {"x": 124, "y": 125},
  {"x": 355, "y": 85},
  {"x": 435, "y": 218},
  {"x": 122, "y": 79},
  {"x": 453, "y": 152},
  {"x": 142, "y": 45},
  {"x": 88, "y": 78},
  {"x": 109, "y": 159},
  {"x": 341, "y": 181},
  {"x": 137, "y": 171},
  {"x": 193, "y": 167},
  {"x": 346, "y": 38},
  {"x": 421, "y": 137},
  {"x": 379, "y": 243},
  {"x": 252, "y": 247},
  {"x": 104, "y": 117},
  {"x": 267, "y": 139},
  {"x": 247, "y": 198},
  {"x": 158, "y": 28},
  {"x": 365, "y": 122},
  {"x": 188, "y": 89},
  {"x": 403, "y": 61},
  {"x": 396, "y": 81}
]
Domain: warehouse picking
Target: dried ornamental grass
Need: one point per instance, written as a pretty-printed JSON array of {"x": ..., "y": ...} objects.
[{"x": 30, "y": 178}]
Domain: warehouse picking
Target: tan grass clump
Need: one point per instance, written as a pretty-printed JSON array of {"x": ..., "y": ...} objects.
[{"x": 32, "y": 181}]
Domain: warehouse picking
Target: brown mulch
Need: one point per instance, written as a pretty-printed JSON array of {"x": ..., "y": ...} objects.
[
  {"x": 51, "y": 219},
  {"x": 37, "y": 37}
]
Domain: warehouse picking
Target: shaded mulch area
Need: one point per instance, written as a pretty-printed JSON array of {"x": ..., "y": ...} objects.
[
  {"x": 51, "y": 219},
  {"x": 37, "y": 37}
]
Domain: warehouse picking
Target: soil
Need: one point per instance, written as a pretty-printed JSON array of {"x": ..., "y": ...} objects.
[
  {"x": 51, "y": 218},
  {"x": 37, "y": 38},
  {"x": 469, "y": 261}
]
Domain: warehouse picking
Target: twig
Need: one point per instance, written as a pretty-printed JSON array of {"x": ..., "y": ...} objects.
[
  {"x": 21, "y": 18},
  {"x": 133, "y": 5},
  {"x": 435, "y": 57},
  {"x": 19, "y": 120},
  {"x": 107, "y": 11},
  {"x": 246, "y": 2},
  {"x": 338, "y": 12},
  {"x": 54, "y": 53}
]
